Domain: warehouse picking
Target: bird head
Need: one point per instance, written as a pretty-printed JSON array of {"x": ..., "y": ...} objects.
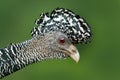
[{"x": 61, "y": 47}]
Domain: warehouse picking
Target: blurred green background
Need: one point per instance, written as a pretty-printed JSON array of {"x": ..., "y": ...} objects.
[{"x": 100, "y": 60}]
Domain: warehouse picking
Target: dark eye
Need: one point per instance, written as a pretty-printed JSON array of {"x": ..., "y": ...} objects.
[{"x": 61, "y": 39}]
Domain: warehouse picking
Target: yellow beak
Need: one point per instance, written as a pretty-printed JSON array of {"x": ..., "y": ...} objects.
[{"x": 73, "y": 53}]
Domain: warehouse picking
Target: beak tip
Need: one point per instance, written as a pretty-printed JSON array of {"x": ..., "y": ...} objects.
[
  {"x": 76, "y": 57},
  {"x": 74, "y": 54}
]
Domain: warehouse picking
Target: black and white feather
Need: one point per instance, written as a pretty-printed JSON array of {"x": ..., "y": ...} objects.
[{"x": 66, "y": 21}]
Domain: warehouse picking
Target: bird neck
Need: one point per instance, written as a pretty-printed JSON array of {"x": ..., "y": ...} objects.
[{"x": 17, "y": 56}]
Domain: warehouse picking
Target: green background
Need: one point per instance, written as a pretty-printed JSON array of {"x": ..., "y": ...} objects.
[{"x": 100, "y": 60}]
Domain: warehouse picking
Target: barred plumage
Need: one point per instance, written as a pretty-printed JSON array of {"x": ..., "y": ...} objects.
[
  {"x": 39, "y": 48},
  {"x": 66, "y": 21}
]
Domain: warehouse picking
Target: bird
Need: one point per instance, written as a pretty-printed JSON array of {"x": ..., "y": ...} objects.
[
  {"x": 53, "y": 37},
  {"x": 74, "y": 26},
  {"x": 51, "y": 45}
]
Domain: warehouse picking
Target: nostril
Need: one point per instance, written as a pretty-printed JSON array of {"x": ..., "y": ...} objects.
[{"x": 73, "y": 49}]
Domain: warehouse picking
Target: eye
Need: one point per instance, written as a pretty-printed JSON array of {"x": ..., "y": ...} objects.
[{"x": 61, "y": 39}]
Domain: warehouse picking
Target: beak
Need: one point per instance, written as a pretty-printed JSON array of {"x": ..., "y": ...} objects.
[{"x": 73, "y": 53}]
